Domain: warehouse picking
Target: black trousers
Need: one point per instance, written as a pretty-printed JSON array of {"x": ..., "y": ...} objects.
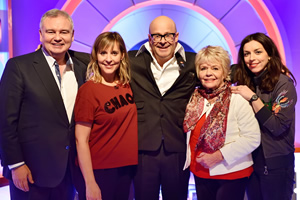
[
  {"x": 214, "y": 189},
  {"x": 114, "y": 183},
  {"x": 278, "y": 184},
  {"x": 161, "y": 169},
  {"x": 64, "y": 191}
]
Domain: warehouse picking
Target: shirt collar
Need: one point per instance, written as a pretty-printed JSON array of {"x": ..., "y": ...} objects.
[
  {"x": 146, "y": 46},
  {"x": 51, "y": 60}
]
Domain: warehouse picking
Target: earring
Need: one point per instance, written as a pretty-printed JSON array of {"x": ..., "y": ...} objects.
[{"x": 269, "y": 58}]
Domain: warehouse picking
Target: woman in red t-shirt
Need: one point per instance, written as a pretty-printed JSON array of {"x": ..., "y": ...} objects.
[
  {"x": 106, "y": 123},
  {"x": 221, "y": 131}
]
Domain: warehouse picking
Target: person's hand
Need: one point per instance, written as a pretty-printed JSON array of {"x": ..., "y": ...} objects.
[
  {"x": 243, "y": 90},
  {"x": 38, "y": 47},
  {"x": 21, "y": 175},
  {"x": 93, "y": 192},
  {"x": 208, "y": 160}
]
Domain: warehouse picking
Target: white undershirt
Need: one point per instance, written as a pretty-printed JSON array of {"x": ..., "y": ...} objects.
[{"x": 166, "y": 75}]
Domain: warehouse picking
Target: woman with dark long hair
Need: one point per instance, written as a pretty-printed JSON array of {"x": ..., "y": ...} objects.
[{"x": 268, "y": 85}]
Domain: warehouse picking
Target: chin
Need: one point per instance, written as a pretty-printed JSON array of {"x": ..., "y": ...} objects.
[
  {"x": 256, "y": 72},
  {"x": 61, "y": 51}
]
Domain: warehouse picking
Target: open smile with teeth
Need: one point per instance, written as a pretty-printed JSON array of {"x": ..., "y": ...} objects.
[
  {"x": 253, "y": 64},
  {"x": 209, "y": 80},
  {"x": 163, "y": 47},
  {"x": 57, "y": 44},
  {"x": 109, "y": 66}
]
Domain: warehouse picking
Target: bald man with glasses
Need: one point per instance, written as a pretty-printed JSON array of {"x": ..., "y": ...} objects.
[{"x": 163, "y": 78}]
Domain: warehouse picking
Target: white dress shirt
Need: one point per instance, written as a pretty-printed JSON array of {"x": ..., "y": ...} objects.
[
  {"x": 164, "y": 76},
  {"x": 68, "y": 86}
]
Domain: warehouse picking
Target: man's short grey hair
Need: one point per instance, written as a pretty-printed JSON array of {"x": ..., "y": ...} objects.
[{"x": 55, "y": 13}]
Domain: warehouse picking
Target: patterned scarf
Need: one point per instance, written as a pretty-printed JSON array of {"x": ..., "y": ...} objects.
[{"x": 213, "y": 131}]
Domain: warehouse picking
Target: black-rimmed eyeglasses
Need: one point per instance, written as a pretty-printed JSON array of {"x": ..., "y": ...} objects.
[{"x": 158, "y": 37}]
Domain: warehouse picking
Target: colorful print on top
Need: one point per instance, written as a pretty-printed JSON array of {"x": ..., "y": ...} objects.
[{"x": 281, "y": 102}]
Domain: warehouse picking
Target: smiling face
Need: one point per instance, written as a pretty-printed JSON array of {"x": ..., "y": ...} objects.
[
  {"x": 255, "y": 57},
  {"x": 211, "y": 75},
  {"x": 163, "y": 50},
  {"x": 56, "y": 36},
  {"x": 109, "y": 61}
]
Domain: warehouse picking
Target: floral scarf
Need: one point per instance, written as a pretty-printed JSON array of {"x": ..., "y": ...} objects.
[{"x": 213, "y": 131}]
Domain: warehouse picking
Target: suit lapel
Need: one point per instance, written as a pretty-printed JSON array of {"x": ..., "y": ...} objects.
[
  {"x": 182, "y": 74},
  {"x": 149, "y": 74},
  {"x": 185, "y": 72},
  {"x": 42, "y": 68},
  {"x": 79, "y": 72}
]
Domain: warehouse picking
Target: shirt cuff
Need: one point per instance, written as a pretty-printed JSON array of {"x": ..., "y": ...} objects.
[
  {"x": 263, "y": 115},
  {"x": 16, "y": 165}
]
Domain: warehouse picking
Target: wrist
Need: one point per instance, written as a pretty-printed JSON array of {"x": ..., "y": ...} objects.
[
  {"x": 254, "y": 97},
  {"x": 15, "y": 166},
  {"x": 220, "y": 155},
  {"x": 90, "y": 182}
]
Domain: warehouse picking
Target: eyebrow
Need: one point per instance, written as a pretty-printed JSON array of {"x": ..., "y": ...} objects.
[
  {"x": 51, "y": 29},
  {"x": 255, "y": 49},
  {"x": 161, "y": 34}
]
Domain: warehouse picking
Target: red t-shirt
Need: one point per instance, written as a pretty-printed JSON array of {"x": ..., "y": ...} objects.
[
  {"x": 112, "y": 112},
  {"x": 202, "y": 172}
]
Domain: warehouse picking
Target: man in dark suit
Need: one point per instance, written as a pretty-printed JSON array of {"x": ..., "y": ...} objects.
[
  {"x": 38, "y": 91},
  {"x": 163, "y": 79}
]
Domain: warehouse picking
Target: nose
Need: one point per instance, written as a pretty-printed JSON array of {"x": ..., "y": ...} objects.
[
  {"x": 251, "y": 56},
  {"x": 108, "y": 58},
  {"x": 163, "y": 39},
  {"x": 208, "y": 72},
  {"x": 57, "y": 37}
]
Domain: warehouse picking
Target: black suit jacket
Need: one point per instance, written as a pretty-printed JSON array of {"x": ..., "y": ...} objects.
[
  {"x": 34, "y": 126},
  {"x": 160, "y": 118}
]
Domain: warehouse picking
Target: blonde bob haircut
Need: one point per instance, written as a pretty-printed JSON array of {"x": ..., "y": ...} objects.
[
  {"x": 214, "y": 54},
  {"x": 104, "y": 41}
]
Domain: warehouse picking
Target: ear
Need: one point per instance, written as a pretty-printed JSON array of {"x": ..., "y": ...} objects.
[
  {"x": 73, "y": 35},
  {"x": 40, "y": 35},
  {"x": 149, "y": 38},
  {"x": 176, "y": 36}
]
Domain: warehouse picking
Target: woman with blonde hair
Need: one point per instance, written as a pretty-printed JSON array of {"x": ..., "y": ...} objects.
[
  {"x": 221, "y": 131},
  {"x": 106, "y": 123}
]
